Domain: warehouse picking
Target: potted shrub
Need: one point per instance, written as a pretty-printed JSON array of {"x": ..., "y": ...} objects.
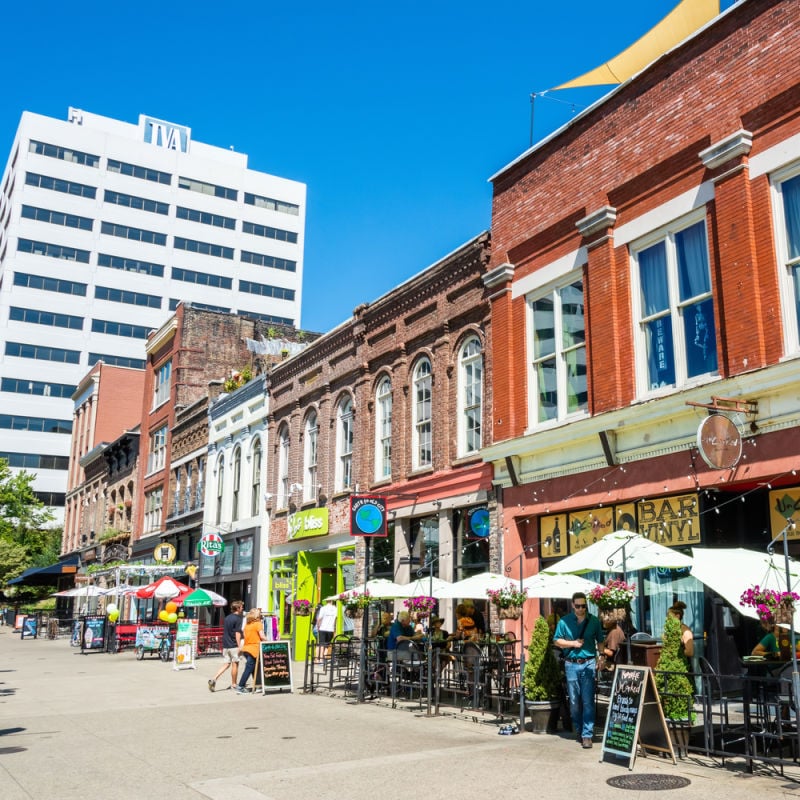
[
  {"x": 541, "y": 679},
  {"x": 676, "y": 691}
]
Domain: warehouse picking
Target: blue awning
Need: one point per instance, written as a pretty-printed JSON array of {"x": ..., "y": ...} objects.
[{"x": 48, "y": 574}]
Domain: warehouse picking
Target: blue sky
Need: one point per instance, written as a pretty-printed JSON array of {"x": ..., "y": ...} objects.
[{"x": 394, "y": 115}]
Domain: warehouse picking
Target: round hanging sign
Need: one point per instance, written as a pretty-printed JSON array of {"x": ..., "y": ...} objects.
[
  {"x": 719, "y": 442},
  {"x": 212, "y": 545}
]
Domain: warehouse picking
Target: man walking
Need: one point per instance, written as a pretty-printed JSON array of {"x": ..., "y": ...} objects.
[
  {"x": 231, "y": 642},
  {"x": 579, "y": 635}
]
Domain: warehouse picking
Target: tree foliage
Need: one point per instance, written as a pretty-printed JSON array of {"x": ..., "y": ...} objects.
[
  {"x": 25, "y": 539},
  {"x": 677, "y": 693}
]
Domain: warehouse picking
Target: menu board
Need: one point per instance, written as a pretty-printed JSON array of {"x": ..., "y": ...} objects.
[
  {"x": 276, "y": 666},
  {"x": 634, "y": 717},
  {"x": 30, "y": 628},
  {"x": 93, "y": 633},
  {"x": 186, "y": 634}
]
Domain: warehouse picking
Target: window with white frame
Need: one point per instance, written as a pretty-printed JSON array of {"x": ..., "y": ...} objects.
[
  {"x": 153, "y": 505},
  {"x": 787, "y": 191},
  {"x": 237, "y": 483},
  {"x": 422, "y": 433},
  {"x": 676, "y": 336},
  {"x": 162, "y": 384},
  {"x": 383, "y": 430},
  {"x": 470, "y": 396},
  {"x": 158, "y": 449},
  {"x": 177, "y": 497},
  {"x": 199, "y": 497},
  {"x": 220, "y": 488},
  {"x": 344, "y": 445},
  {"x": 558, "y": 375},
  {"x": 283, "y": 467},
  {"x": 255, "y": 482},
  {"x": 310, "y": 457},
  {"x": 187, "y": 495}
]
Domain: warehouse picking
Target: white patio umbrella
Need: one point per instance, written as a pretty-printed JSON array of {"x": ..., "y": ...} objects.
[
  {"x": 557, "y": 586},
  {"x": 731, "y": 571},
  {"x": 621, "y": 551},
  {"x": 379, "y": 588},
  {"x": 476, "y": 586},
  {"x": 424, "y": 587},
  {"x": 81, "y": 591}
]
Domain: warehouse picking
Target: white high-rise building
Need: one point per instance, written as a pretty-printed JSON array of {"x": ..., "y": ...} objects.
[{"x": 105, "y": 227}]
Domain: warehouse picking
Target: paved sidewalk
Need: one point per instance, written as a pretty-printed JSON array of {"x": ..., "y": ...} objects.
[{"x": 108, "y": 726}]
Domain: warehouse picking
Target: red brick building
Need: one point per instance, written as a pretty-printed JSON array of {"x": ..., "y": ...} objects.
[
  {"x": 645, "y": 268},
  {"x": 394, "y": 402},
  {"x": 107, "y": 402},
  {"x": 192, "y": 348}
]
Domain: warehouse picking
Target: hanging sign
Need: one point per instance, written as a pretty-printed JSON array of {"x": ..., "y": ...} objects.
[
  {"x": 478, "y": 523},
  {"x": 211, "y": 545},
  {"x": 164, "y": 553},
  {"x": 367, "y": 515},
  {"x": 719, "y": 442}
]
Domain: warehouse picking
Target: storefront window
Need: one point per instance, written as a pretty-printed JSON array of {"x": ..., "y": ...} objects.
[
  {"x": 206, "y": 566},
  {"x": 244, "y": 554},
  {"x": 473, "y": 550},
  {"x": 425, "y": 543},
  {"x": 382, "y": 550},
  {"x": 225, "y": 560}
]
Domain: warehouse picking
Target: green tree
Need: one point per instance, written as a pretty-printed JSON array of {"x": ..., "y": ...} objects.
[
  {"x": 25, "y": 539},
  {"x": 676, "y": 691}
]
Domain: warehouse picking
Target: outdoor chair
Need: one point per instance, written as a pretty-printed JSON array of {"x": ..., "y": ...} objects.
[{"x": 719, "y": 734}]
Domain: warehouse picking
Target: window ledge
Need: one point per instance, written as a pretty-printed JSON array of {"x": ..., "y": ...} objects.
[
  {"x": 427, "y": 470},
  {"x": 471, "y": 458}
]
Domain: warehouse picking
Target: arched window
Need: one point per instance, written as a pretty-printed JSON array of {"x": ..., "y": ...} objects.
[
  {"x": 220, "y": 487},
  {"x": 422, "y": 439},
  {"x": 344, "y": 445},
  {"x": 283, "y": 467},
  {"x": 310, "y": 457},
  {"x": 383, "y": 430},
  {"x": 470, "y": 397},
  {"x": 255, "y": 480},
  {"x": 237, "y": 482}
]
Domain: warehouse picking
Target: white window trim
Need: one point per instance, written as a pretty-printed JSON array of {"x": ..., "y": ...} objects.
[
  {"x": 791, "y": 326},
  {"x": 477, "y": 358},
  {"x": 256, "y": 468},
  {"x": 310, "y": 466},
  {"x": 344, "y": 450},
  {"x": 682, "y": 382},
  {"x": 415, "y": 422},
  {"x": 161, "y": 389},
  {"x": 382, "y": 401},
  {"x": 283, "y": 467},
  {"x": 564, "y": 280}
]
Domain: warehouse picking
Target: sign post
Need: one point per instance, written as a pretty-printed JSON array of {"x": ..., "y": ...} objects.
[{"x": 634, "y": 717}]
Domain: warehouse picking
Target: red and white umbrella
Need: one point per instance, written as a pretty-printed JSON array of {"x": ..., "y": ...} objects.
[{"x": 165, "y": 588}]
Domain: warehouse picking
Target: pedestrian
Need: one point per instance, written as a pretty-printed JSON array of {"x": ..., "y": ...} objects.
[
  {"x": 326, "y": 625},
  {"x": 232, "y": 634},
  {"x": 579, "y": 634},
  {"x": 251, "y": 647}
]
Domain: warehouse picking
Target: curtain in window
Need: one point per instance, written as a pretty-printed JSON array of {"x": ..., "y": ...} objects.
[
  {"x": 693, "y": 273},
  {"x": 653, "y": 276},
  {"x": 791, "y": 212}
]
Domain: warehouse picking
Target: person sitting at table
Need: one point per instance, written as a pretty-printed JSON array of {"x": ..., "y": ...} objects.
[
  {"x": 402, "y": 631},
  {"x": 768, "y": 646},
  {"x": 382, "y": 627},
  {"x": 687, "y": 635},
  {"x": 477, "y": 616},
  {"x": 438, "y": 636},
  {"x": 465, "y": 624},
  {"x": 615, "y": 638}
]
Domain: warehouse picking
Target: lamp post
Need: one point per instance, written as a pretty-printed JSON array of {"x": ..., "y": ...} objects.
[
  {"x": 795, "y": 674},
  {"x": 508, "y": 567},
  {"x": 428, "y": 642}
]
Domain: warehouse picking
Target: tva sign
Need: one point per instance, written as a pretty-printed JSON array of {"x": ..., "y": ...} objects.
[{"x": 166, "y": 134}]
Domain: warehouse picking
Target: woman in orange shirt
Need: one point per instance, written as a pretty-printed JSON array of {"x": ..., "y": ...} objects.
[{"x": 253, "y": 636}]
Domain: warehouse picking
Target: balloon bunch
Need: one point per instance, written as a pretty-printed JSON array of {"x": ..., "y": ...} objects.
[
  {"x": 169, "y": 613},
  {"x": 113, "y": 612}
]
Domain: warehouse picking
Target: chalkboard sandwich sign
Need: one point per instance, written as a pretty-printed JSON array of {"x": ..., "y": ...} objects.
[
  {"x": 634, "y": 717},
  {"x": 276, "y": 666}
]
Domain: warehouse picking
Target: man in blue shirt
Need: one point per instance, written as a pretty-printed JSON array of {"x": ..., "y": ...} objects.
[
  {"x": 401, "y": 631},
  {"x": 579, "y": 635}
]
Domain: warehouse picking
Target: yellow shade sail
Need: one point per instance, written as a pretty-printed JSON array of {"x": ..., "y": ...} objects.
[{"x": 681, "y": 22}]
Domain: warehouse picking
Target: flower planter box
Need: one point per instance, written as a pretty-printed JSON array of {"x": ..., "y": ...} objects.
[
  {"x": 510, "y": 612},
  {"x": 302, "y": 612},
  {"x": 610, "y": 615},
  {"x": 354, "y": 613}
]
